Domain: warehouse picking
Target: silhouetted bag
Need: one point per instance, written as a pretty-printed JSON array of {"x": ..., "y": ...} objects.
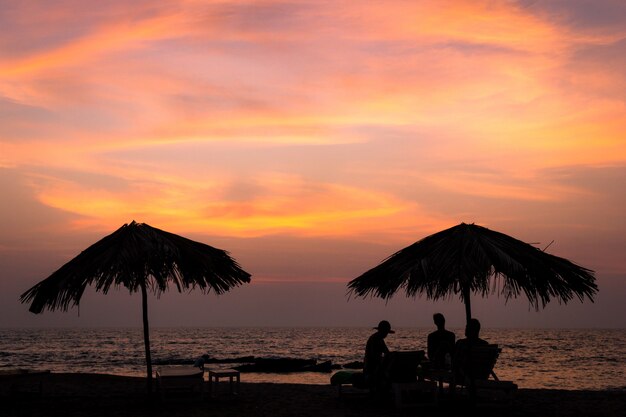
[{"x": 354, "y": 378}]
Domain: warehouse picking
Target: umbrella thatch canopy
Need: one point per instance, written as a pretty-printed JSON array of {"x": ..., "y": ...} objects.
[
  {"x": 468, "y": 259},
  {"x": 140, "y": 258}
]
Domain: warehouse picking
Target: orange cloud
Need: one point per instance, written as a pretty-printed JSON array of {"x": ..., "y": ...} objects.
[{"x": 283, "y": 205}]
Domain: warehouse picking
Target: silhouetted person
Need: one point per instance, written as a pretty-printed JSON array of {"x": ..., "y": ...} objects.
[
  {"x": 375, "y": 352},
  {"x": 463, "y": 346},
  {"x": 199, "y": 363},
  {"x": 440, "y": 344},
  {"x": 472, "y": 332},
  {"x": 462, "y": 362}
]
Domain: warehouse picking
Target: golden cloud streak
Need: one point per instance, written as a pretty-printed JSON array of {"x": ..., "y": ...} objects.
[{"x": 287, "y": 206}]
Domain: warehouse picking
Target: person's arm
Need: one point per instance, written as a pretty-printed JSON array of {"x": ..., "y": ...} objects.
[{"x": 384, "y": 347}]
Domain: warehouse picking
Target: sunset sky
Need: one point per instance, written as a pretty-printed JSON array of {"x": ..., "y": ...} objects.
[{"x": 311, "y": 139}]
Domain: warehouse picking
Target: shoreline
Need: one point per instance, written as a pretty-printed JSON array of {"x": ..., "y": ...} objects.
[
  {"x": 83, "y": 394},
  {"x": 534, "y": 359}
]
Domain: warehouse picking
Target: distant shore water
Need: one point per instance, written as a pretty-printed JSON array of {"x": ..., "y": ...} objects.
[{"x": 534, "y": 358}]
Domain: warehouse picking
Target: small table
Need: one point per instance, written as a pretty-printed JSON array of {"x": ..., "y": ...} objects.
[{"x": 233, "y": 379}]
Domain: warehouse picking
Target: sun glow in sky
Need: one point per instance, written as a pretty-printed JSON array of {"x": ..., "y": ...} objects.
[{"x": 331, "y": 132}]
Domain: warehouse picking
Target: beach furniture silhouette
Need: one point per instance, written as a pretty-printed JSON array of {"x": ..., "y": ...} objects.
[
  {"x": 22, "y": 381},
  {"x": 476, "y": 374},
  {"x": 233, "y": 380},
  {"x": 406, "y": 382},
  {"x": 179, "y": 379},
  {"x": 400, "y": 376},
  {"x": 402, "y": 366}
]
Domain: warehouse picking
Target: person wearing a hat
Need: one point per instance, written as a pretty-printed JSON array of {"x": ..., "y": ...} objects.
[{"x": 375, "y": 352}]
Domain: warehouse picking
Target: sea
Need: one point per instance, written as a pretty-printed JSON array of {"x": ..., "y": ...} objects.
[{"x": 572, "y": 359}]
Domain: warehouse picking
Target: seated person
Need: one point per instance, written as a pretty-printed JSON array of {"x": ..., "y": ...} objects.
[
  {"x": 376, "y": 352},
  {"x": 462, "y": 349},
  {"x": 440, "y": 344}
]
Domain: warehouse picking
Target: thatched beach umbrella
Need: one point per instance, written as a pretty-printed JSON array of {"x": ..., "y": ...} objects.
[
  {"x": 140, "y": 258},
  {"x": 468, "y": 259}
]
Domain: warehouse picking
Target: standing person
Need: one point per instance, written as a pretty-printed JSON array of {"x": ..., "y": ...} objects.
[
  {"x": 375, "y": 352},
  {"x": 440, "y": 344}
]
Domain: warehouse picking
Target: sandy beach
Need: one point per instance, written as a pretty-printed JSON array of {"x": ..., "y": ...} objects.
[{"x": 108, "y": 395}]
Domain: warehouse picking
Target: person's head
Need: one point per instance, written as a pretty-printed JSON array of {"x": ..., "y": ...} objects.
[
  {"x": 440, "y": 320},
  {"x": 384, "y": 328},
  {"x": 472, "y": 330}
]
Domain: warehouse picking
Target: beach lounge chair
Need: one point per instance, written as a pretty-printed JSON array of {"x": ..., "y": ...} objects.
[
  {"x": 179, "y": 379},
  {"x": 477, "y": 374}
]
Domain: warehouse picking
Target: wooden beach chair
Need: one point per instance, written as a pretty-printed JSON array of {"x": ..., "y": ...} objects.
[{"x": 477, "y": 375}]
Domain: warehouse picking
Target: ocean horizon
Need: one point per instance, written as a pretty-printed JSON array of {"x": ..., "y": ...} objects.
[{"x": 575, "y": 359}]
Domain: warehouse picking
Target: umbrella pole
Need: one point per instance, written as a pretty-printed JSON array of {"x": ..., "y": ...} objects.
[
  {"x": 468, "y": 304},
  {"x": 468, "y": 317},
  {"x": 146, "y": 335}
]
